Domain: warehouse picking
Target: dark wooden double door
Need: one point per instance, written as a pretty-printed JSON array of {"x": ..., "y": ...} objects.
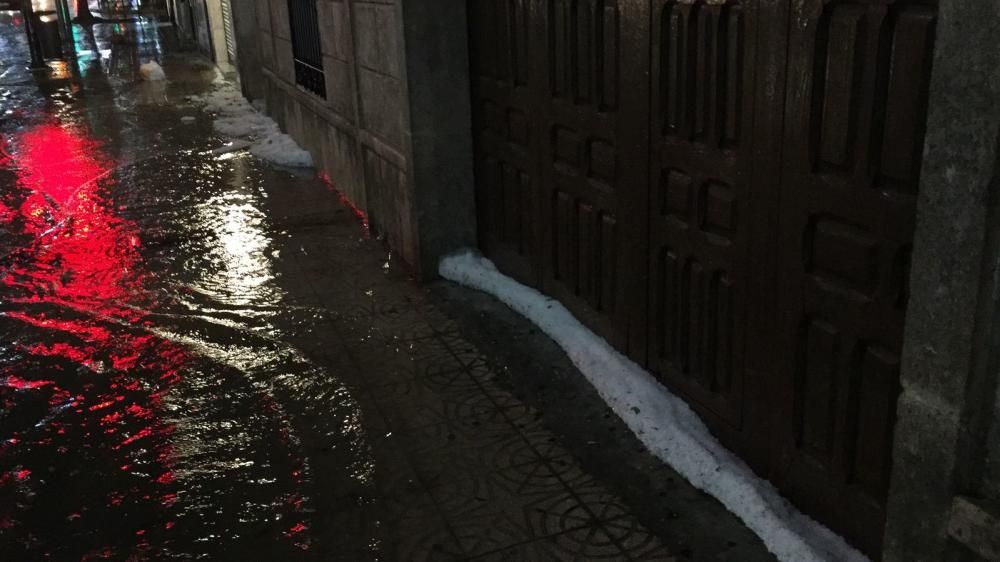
[{"x": 726, "y": 191}]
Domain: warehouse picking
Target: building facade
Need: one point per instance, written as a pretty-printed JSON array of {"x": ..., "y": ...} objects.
[{"x": 784, "y": 210}]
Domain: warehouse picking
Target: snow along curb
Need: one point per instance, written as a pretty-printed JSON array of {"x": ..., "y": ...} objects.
[
  {"x": 663, "y": 422},
  {"x": 237, "y": 119}
]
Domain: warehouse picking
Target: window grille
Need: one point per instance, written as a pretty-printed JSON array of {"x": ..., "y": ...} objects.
[{"x": 306, "y": 46}]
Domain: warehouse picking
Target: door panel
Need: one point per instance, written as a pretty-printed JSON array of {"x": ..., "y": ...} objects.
[
  {"x": 702, "y": 119},
  {"x": 553, "y": 182},
  {"x": 506, "y": 139},
  {"x": 587, "y": 178},
  {"x": 858, "y": 81}
]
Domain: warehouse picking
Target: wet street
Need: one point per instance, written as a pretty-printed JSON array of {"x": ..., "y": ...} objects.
[{"x": 203, "y": 356}]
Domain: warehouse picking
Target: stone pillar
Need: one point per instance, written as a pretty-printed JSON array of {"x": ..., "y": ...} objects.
[
  {"x": 945, "y": 366},
  {"x": 437, "y": 70},
  {"x": 247, "y": 55}
]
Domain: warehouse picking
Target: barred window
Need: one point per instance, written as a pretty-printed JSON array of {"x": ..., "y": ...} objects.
[{"x": 306, "y": 47}]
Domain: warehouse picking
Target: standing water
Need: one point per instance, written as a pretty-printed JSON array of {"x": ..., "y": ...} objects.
[
  {"x": 206, "y": 357},
  {"x": 150, "y": 403}
]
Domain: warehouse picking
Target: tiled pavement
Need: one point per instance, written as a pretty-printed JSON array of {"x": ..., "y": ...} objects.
[{"x": 464, "y": 468}]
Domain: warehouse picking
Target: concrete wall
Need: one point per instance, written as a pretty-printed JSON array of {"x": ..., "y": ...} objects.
[{"x": 361, "y": 134}]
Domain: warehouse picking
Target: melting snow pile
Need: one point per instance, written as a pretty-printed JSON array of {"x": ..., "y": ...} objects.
[
  {"x": 237, "y": 119},
  {"x": 663, "y": 422},
  {"x": 152, "y": 71}
]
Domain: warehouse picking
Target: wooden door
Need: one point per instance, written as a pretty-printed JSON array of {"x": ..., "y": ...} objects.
[
  {"x": 726, "y": 190},
  {"x": 505, "y": 78},
  {"x": 560, "y": 101},
  {"x": 593, "y": 120},
  {"x": 702, "y": 204},
  {"x": 858, "y": 75}
]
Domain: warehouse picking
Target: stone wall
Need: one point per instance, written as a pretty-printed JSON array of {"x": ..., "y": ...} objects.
[
  {"x": 440, "y": 126},
  {"x": 248, "y": 53},
  {"x": 357, "y": 133},
  {"x": 946, "y": 446},
  {"x": 360, "y": 134}
]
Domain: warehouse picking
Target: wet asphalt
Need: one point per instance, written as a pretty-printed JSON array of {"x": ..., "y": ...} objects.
[{"x": 203, "y": 356}]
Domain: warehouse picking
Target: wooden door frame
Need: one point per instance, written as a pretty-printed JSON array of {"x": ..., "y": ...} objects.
[
  {"x": 634, "y": 136},
  {"x": 763, "y": 356}
]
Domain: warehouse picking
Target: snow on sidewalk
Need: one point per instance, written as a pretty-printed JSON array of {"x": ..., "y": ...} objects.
[
  {"x": 237, "y": 119},
  {"x": 662, "y": 421},
  {"x": 152, "y": 71}
]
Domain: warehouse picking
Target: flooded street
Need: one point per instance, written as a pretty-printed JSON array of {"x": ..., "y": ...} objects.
[
  {"x": 151, "y": 402},
  {"x": 203, "y": 356}
]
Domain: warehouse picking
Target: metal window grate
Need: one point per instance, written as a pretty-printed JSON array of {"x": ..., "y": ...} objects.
[{"x": 306, "y": 46}]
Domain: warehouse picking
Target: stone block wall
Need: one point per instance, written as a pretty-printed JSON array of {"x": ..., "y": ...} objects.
[
  {"x": 248, "y": 60},
  {"x": 360, "y": 133},
  {"x": 943, "y": 499}
]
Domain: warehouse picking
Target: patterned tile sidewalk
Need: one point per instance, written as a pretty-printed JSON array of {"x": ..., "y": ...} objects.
[{"x": 464, "y": 468}]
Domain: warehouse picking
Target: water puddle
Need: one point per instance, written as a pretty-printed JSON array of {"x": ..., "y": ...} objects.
[{"x": 151, "y": 403}]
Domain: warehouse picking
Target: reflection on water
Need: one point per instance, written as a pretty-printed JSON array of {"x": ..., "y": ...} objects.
[
  {"x": 77, "y": 368},
  {"x": 150, "y": 403},
  {"x": 240, "y": 261}
]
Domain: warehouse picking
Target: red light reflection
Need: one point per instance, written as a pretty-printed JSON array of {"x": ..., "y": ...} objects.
[
  {"x": 357, "y": 212},
  {"x": 79, "y": 286},
  {"x": 79, "y": 273}
]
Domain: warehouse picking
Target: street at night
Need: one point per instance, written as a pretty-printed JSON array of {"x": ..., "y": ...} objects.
[
  {"x": 208, "y": 357},
  {"x": 499, "y": 280}
]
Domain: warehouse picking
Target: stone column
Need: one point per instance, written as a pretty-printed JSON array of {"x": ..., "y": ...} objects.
[
  {"x": 437, "y": 70},
  {"x": 247, "y": 54},
  {"x": 945, "y": 375}
]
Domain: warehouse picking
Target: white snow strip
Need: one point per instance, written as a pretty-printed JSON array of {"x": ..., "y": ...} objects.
[
  {"x": 662, "y": 421},
  {"x": 152, "y": 71},
  {"x": 237, "y": 119},
  {"x": 281, "y": 149},
  {"x": 220, "y": 77}
]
